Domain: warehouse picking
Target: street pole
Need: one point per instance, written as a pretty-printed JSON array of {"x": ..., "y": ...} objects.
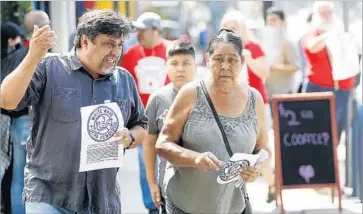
[
  {"x": 348, "y": 130},
  {"x": 345, "y": 15},
  {"x": 63, "y": 26},
  {"x": 266, "y": 6}
]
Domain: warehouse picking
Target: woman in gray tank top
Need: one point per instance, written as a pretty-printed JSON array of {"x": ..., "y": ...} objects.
[{"x": 191, "y": 179}]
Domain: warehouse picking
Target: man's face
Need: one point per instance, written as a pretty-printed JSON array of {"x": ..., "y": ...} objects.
[
  {"x": 145, "y": 36},
  {"x": 181, "y": 69},
  {"x": 323, "y": 18},
  {"x": 274, "y": 21},
  {"x": 104, "y": 52},
  {"x": 326, "y": 13},
  {"x": 14, "y": 42}
]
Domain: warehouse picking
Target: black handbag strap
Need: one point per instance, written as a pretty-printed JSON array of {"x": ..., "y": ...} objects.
[
  {"x": 216, "y": 117},
  {"x": 225, "y": 140}
]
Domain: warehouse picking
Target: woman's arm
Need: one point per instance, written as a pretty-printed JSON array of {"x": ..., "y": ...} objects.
[
  {"x": 150, "y": 157},
  {"x": 150, "y": 140},
  {"x": 256, "y": 60},
  {"x": 288, "y": 68},
  {"x": 150, "y": 160},
  {"x": 172, "y": 130},
  {"x": 259, "y": 66},
  {"x": 290, "y": 57},
  {"x": 316, "y": 44}
]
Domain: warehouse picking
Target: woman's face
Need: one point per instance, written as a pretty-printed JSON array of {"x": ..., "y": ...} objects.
[
  {"x": 225, "y": 63},
  {"x": 14, "y": 42},
  {"x": 146, "y": 37},
  {"x": 274, "y": 21}
]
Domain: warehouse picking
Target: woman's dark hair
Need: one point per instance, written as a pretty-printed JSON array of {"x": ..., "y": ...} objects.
[
  {"x": 275, "y": 11},
  {"x": 180, "y": 47},
  {"x": 96, "y": 22},
  {"x": 9, "y": 30},
  {"x": 226, "y": 36}
]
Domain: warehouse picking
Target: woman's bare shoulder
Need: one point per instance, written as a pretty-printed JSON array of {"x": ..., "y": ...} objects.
[
  {"x": 258, "y": 96},
  {"x": 188, "y": 91},
  {"x": 186, "y": 96}
]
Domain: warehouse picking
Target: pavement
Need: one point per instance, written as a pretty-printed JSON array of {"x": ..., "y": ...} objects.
[{"x": 304, "y": 201}]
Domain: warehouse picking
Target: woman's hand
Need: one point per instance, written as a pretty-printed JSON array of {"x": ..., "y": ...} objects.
[
  {"x": 249, "y": 174},
  {"x": 207, "y": 161}
]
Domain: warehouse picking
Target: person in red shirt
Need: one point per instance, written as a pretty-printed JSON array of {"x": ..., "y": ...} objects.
[
  {"x": 257, "y": 66},
  {"x": 258, "y": 71},
  {"x": 320, "y": 75},
  {"x": 146, "y": 61}
]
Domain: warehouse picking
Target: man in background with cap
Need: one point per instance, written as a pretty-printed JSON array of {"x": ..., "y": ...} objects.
[{"x": 145, "y": 61}]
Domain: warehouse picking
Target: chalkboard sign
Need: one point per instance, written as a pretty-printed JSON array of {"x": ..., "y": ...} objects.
[{"x": 305, "y": 141}]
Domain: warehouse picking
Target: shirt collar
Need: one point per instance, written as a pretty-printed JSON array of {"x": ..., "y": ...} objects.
[{"x": 76, "y": 64}]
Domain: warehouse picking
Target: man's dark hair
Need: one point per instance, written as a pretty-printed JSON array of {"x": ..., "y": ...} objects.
[
  {"x": 275, "y": 11},
  {"x": 9, "y": 30},
  {"x": 96, "y": 22},
  {"x": 226, "y": 36},
  {"x": 184, "y": 47},
  {"x": 309, "y": 18}
]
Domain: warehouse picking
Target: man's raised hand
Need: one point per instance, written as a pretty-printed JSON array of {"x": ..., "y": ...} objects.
[{"x": 42, "y": 40}]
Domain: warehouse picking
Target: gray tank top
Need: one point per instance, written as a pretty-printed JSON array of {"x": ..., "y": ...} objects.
[{"x": 193, "y": 191}]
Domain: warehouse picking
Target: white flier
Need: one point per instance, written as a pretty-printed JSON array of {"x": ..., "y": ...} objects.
[
  {"x": 230, "y": 171},
  {"x": 99, "y": 125}
]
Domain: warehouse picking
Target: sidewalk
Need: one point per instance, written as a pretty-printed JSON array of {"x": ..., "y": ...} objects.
[
  {"x": 299, "y": 201},
  {"x": 305, "y": 201}
]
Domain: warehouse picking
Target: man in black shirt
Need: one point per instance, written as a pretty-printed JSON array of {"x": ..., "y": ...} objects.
[
  {"x": 20, "y": 122},
  {"x": 11, "y": 35}
]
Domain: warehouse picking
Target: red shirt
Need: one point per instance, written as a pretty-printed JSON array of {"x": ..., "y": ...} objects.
[
  {"x": 140, "y": 62},
  {"x": 320, "y": 70},
  {"x": 255, "y": 81}
]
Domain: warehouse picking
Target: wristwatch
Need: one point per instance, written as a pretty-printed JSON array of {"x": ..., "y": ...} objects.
[{"x": 132, "y": 141}]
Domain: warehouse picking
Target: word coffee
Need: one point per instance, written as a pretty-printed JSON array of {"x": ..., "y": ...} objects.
[{"x": 300, "y": 139}]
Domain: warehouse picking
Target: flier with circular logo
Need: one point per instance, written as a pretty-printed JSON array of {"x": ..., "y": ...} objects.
[
  {"x": 230, "y": 171},
  {"x": 99, "y": 125}
]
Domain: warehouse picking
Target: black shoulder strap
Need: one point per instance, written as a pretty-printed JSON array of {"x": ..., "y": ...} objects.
[
  {"x": 216, "y": 117},
  {"x": 229, "y": 150}
]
